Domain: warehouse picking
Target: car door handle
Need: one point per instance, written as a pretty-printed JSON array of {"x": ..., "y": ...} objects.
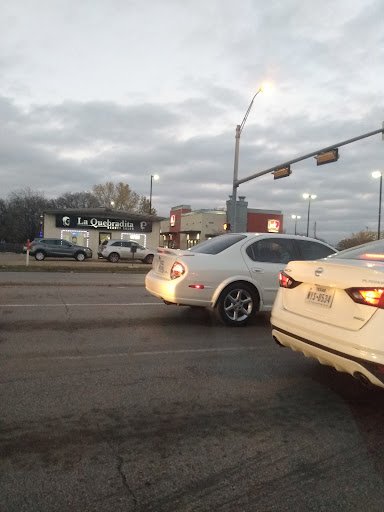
[{"x": 258, "y": 270}]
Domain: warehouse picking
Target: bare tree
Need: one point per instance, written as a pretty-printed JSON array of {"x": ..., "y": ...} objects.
[
  {"x": 23, "y": 217},
  {"x": 77, "y": 200},
  {"x": 143, "y": 206},
  {"x": 356, "y": 239},
  {"x": 121, "y": 195}
]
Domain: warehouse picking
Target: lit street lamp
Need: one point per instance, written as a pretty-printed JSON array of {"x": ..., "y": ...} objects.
[
  {"x": 239, "y": 129},
  {"x": 153, "y": 177},
  {"x": 296, "y": 217},
  {"x": 379, "y": 174},
  {"x": 309, "y": 197}
]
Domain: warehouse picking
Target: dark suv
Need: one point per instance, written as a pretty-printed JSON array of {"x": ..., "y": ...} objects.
[{"x": 41, "y": 248}]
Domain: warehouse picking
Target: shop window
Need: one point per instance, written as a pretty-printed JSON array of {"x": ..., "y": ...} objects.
[
  {"x": 139, "y": 238},
  {"x": 76, "y": 237},
  {"x": 104, "y": 237}
]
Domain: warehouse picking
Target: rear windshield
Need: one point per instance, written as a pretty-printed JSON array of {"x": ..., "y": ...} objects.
[
  {"x": 373, "y": 251},
  {"x": 217, "y": 244}
]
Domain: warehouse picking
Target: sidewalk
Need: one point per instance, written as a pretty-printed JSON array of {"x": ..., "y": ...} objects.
[{"x": 10, "y": 261}]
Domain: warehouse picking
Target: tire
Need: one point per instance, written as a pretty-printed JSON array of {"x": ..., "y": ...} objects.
[
  {"x": 39, "y": 255},
  {"x": 80, "y": 256},
  {"x": 113, "y": 257},
  {"x": 148, "y": 259},
  {"x": 237, "y": 303}
]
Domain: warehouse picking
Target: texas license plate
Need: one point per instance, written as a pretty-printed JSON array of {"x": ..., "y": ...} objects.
[
  {"x": 160, "y": 267},
  {"x": 320, "y": 295}
]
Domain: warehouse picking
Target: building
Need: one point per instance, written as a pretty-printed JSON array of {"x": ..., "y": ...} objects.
[
  {"x": 186, "y": 228},
  {"x": 183, "y": 229},
  {"x": 91, "y": 226}
]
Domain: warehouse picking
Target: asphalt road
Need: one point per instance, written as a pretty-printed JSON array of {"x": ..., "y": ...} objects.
[{"x": 112, "y": 401}]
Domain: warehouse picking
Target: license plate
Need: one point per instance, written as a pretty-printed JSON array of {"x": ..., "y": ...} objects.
[
  {"x": 320, "y": 295},
  {"x": 160, "y": 267}
]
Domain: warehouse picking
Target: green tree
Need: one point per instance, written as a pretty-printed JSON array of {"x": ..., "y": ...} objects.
[{"x": 356, "y": 239}]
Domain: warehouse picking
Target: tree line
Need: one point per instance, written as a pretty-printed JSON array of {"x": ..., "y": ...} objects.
[{"x": 21, "y": 212}]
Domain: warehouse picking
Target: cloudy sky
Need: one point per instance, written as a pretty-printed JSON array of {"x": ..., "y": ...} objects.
[{"x": 116, "y": 90}]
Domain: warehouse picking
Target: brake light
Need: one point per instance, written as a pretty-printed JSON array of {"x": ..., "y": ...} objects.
[
  {"x": 368, "y": 296},
  {"x": 177, "y": 270},
  {"x": 372, "y": 256},
  {"x": 197, "y": 286},
  {"x": 286, "y": 281}
]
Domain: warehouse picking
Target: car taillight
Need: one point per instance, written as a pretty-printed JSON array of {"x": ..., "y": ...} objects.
[
  {"x": 103, "y": 247},
  {"x": 369, "y": 296},
  {"x": 32, "y": 244},
  {"x": 177, "y": 270},
  {"x": 286, "y": 281}
]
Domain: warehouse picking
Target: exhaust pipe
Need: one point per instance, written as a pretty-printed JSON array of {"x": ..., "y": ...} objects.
[{"x": 363, "y": 379}]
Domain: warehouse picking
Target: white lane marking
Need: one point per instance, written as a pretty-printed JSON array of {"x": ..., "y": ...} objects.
[
  {"x": 193, "y": 350},
  {"x": 79, "y": 305},
  {"x": 154, "y": 353}
]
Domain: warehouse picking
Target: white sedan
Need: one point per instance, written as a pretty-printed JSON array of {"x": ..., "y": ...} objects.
[
  {"x": 237, "y": 273},
  {"x": 333, "y": 310}
]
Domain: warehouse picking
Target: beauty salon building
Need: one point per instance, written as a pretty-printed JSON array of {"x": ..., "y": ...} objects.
[{"x": 90, "y": 227}]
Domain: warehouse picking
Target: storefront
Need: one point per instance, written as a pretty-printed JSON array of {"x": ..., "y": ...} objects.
[
  {"x": 185, "y": 228},
  {"x": 91, "y": 227}
]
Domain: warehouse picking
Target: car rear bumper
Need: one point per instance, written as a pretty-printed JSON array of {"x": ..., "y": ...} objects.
[
  {"x": 342, "y": 362},
  {"x": 177, "y": 291}
]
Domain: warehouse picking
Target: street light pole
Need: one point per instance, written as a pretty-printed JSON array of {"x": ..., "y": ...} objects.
[
  {"x": 296, "y": 217},
  {"x": 153, "y": 177},
  {"x": 239, "y": 129},
  {"x": 309, "y": 197},
  {"x": 379, "y": 174}
]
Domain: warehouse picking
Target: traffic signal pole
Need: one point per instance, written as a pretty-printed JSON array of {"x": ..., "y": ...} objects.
[{"x": 237, "y": 182}]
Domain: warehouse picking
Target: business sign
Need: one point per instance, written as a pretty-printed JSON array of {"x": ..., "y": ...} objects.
[
  {"x": 173, "y": 220},
  {"x": 273, "y": 226},
  {"x": 74, "y": 221}
]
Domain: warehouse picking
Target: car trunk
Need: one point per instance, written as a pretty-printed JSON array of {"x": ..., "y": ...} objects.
[
  {"x": 322, "y": 296},
  {"x": 164, "y": 259}
]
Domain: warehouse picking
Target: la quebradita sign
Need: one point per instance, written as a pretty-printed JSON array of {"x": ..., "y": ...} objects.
[{"x": 77, "y": 221}]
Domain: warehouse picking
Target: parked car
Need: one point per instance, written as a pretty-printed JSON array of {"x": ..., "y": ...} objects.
[
  {"x": 236, "y": 274},
  {"x": 42, "y": 248},
  {"x": 333, "y": 310},
  {"x": 114, "y": 250}
]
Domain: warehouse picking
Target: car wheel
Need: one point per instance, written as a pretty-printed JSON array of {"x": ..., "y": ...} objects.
[
  {"x": 237, "y": 303},
  {"x": 114, "y": 257},
  {"x": 39, "y": 255},
  {"x": 148, "y": 259},
  {"x": 80, "y": 256}
]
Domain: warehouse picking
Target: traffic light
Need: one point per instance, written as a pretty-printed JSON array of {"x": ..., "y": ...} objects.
[
  {"x": 326, "y": 158},
  {"x": 282, "y": 173},
  {"x": 226, "y": 226}
]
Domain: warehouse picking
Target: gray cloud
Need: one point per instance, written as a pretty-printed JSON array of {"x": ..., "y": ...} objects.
[{"x": 160, "y": 90}]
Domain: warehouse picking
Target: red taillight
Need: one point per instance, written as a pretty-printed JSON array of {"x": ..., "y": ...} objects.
[
  {"x": 177, "y": 270},
  {"x": 286, "y": 281},
  {"x": 197, "y": 286},
  {"x": 372, "y": 256},
  {"x": 369, "y": 296}
]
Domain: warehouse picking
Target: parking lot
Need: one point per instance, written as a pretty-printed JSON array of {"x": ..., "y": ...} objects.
[{"x": 113, "y": 401}]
